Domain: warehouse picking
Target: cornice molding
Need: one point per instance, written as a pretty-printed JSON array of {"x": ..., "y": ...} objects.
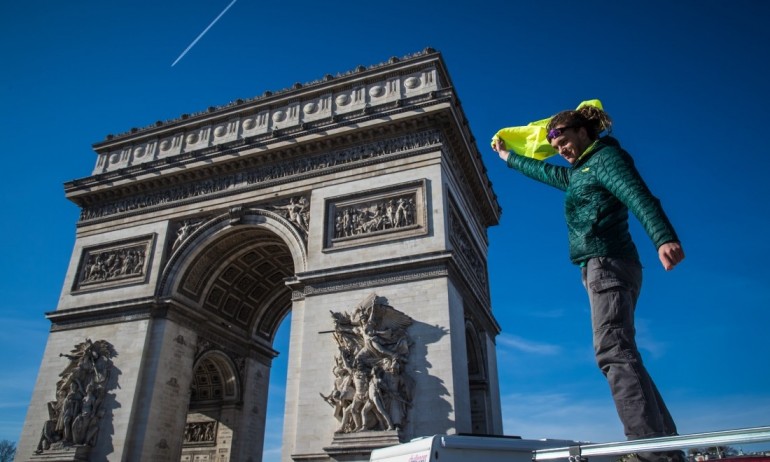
[
  {"x": 370, "y": 274},
  {"x": 238, "y": 177}
]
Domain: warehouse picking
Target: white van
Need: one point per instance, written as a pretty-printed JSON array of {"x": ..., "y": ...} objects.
[{"x": 466, "y": 448}]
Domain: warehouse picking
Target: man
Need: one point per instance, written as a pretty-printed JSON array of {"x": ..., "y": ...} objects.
[{"x": 601, "y": 185}]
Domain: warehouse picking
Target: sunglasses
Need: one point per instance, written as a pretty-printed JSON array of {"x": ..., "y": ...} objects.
[{"x": 557, "y": 132}]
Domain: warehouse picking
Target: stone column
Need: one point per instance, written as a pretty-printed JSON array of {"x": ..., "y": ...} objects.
[
  {"x": 248, "y": 440},
  {"x": 159, "y": 409}
]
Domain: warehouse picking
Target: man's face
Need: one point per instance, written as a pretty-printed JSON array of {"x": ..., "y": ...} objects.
[{"x": 570, "y": 143}]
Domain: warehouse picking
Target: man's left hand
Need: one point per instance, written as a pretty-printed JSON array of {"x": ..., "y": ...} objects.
[{"x": 670, "y": 254}]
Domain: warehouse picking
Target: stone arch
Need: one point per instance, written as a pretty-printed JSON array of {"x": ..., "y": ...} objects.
[
  {"x": 235, "y": 265},
  {"x": 230, "y": 276},
  {"x": 215, "y": 397},
  {"x": 475, "y": 352},
  {"x": 221, "y": 224},
  {"x": 215, "y": 380},
  {"x": 478, "y": 380}
]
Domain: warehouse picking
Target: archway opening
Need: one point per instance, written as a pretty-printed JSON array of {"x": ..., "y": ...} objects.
[
  {"x": 238, "y": 281},
  {"x": 276, "y": 398},
  {"x": 214, "y": 397},
  {"x": 478, "y": 381}
]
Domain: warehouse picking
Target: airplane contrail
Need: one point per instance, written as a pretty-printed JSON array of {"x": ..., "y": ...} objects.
[{"x": 204, "y": 32}]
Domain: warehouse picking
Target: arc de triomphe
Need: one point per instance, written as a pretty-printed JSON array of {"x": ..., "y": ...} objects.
[{"x": 358, "y": 202}]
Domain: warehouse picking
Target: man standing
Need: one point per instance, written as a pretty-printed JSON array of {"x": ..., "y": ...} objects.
[{"x": 600, "y": 186}]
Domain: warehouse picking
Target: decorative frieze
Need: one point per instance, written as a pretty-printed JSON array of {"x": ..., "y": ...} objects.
[
  {"x": 311, "y": 108},
  {"x": 469, "y": 256},
  {"x": 376, "y": 216},
  {"x": 114, "y": 264},
  {"x": 291, "y": 170},
  {"x": 373, "y": 281}
]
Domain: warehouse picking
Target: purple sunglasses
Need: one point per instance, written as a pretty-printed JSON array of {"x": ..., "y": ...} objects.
[{"x": 557, "y": 132}]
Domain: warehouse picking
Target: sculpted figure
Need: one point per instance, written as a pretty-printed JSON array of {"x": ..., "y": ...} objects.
[
  {"x": 346, "y": 223},
  {"x": 353, "y": 410},
  {"x": 370, "y": 392},
  {"x": 390, "y": 212},
  {"x": 75, "y": 414},
  {"x": 183, "y": 233},
  {"x": 401, "y": 213},
  {"x": 375, "y": 406},
  {"x": 82, "y": 422},
  {"x": 398, "y": 392},
  {"x": 342, "y": 395},
  {"x": 49, "y": 435},
  {"x": 209, "y": 435},
  {"x": 297, "y": 212},
  {"x": 188, "y": 227},
  {"x": 70, "y": 410}
]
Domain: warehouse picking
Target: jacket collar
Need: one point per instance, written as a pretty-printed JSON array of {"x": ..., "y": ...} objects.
[{"x": 596, "y": 146}]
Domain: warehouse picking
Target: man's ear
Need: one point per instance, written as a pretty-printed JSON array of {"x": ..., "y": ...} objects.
[{"x": 583, "y": 135}]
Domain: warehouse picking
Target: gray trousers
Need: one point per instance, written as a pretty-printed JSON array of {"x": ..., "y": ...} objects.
[{"x": 613, "y": 287}]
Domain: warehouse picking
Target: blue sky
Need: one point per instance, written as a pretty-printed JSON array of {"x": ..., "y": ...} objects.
[{"x": 686, "y": 83}]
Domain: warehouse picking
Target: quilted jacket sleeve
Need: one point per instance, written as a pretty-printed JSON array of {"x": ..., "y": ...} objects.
[
  {"x": 619, "y": 175},
  {"x": 553, "y": 175}
]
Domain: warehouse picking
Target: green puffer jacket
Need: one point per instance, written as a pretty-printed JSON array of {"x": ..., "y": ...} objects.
[{"x": 600, "y": 188}]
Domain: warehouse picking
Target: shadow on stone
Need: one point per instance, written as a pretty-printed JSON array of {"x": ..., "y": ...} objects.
[{"x": 430, "y": 394}]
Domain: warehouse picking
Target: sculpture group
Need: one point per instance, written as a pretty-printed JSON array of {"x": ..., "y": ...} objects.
[
  {"x": 374, "y": 216},
  {"x": 75, "y": 414},
  {"x": 200, "y": 432},
  {"x": 113, "y": 264},
  {"x": 371, "y": 391}
]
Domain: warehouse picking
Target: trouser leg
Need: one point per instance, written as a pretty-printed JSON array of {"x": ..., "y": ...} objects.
[{"x": 613, "y": 287}]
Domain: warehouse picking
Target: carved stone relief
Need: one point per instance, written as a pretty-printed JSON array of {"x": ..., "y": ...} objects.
[
  {"x": 297, "y": 211},
  {"x": 114, "y": 264},
  {"x": 76, "y": 413},
  {"x": 378, "y": 215},
  {"x": 371, "y": 96},
  {"x": 398, "y": 277},
  {"x": 185, "y": 228},
  {"x": 467, "y": 251},
  {"x": 371, "y": 391},
  {"x": 200, "y": 432}
]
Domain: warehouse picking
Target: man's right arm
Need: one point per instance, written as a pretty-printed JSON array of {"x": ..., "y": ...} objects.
[{"x": 552, "y": 175}]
